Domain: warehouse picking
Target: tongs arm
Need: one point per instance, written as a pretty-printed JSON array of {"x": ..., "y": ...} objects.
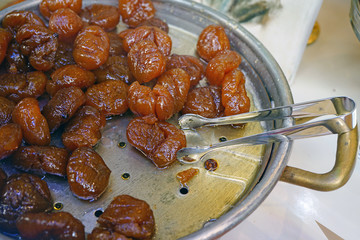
[
  {"x": 308, "y": 110},
  {"x": 344, "y": 120}
]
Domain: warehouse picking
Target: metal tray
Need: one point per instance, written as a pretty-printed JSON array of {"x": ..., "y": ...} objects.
[{"x": 211, "y": 194}]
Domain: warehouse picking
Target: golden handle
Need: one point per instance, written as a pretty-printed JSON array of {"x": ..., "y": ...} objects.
[{"x": 346, "y": 153}]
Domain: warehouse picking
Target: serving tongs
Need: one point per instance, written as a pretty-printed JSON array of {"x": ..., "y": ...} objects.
[{"x": 335, "y": 115}]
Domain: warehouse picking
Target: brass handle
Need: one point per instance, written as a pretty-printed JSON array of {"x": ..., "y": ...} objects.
[{"x": 346, "y": 153}]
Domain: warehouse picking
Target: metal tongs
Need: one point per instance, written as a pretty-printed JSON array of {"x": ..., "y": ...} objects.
[{"x": 335, "y": 115}]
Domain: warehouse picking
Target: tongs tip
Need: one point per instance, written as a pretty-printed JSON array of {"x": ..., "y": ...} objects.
[{"x": 191, "y": 121}]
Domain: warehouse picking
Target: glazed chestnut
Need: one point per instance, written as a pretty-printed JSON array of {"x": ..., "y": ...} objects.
[
  {"x": 15, "y": 19},
  {"x": 22, "y": 85},
  {"x": 165, "y": 99},
  {"x": 165, "y": 102},
  {"x": 5, "y": 37},
  {"x": 116, "y": 45},
  {"x": 63, "y": 106},
  {"x": 161, "y": 39},
  {"x": 33, "y": 124},
  {"x": 141, "y": 99},
  {"x": 16, "y": 62},
  {"x": 64, "y": 55},
  {"x": 129, "y": 216},
  {"x": 3, "y": 178},
  {"x": 91, "y": 47},
  {"x": 67, "y": 76},
  {"x": 221, "y": 64},
  {"x": 145, "y": 101},
  {"x": 204, "y": 101},
  {"x": 66, "y": 23},
  {"x": 105, "y": 16},
  {"x": 56, "y": 225},
  {"x": 48, "y": 7},
  {"x": 177, "y": 82},
  {"x": 133, "y": 12},
  {"x": 10, "y": 139},
  {"x": 146, "y": 61},
  {"x": 192, "y": 65},
  {"x": 212, "y": 40},
  {"x": 6, "y": 108},
  {"x": 108, "y": 97},
  {"x": 83, "y": 130},
  {"x": 158, "y": 140},
  {"x": 155, "y": 22},
  {"x": 39, "y": 44},
  {"x": 87, "y": 174},
  {"x": 23, "y": 193},
  {"x": 115, "y": 68},
  {"x": 234, "y": 97},
  {"x": 41, "y": 159}
]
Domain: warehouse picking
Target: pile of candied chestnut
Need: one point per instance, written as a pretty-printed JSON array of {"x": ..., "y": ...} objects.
[{"x": 68, "y": 74}]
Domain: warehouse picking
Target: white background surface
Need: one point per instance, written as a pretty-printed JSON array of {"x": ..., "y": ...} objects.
[{"x": 329, "y": 67}]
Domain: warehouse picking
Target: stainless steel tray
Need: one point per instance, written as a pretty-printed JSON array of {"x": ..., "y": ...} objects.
[{"x": 210, "y": 194}]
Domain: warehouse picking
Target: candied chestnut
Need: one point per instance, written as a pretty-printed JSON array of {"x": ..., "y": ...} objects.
[
  {"x": 83, "y": 130},
  {"x": 6, "y": 108},
  {"x": 91, "y": 47},
  {"x": 192, "y": 65},
  {"x": 221, "y": 64},
  {"x": 64, "y": 55},
  {"x": 105, "y": 16},
  {"x": 158, "y": 140},
  {"x": 161, "y": 39},
  {"x": 33, "y": 124},
  {"x": 212, "y": 40},
  {"x": 3, "y": 178},
  {"x": 41, "y": 159},
  {"x": 155, "y": 22},
  {"x": 56, "y": 225},
  {"x": 204, "y": 101},
  {"x": 48, "y": 7},
  {"x": 141, "y": 99},
  {"x": 167, "y": 97},
  {"x": 108, "y": 97},
  {"x": 116, "y": 45},
  {"x": 67, "y": 76},
  {"x": 105, "y": 234},
  {"x": 23, "y": 193},
  {"x": 66, "y": 23},
  {"x": 40, "y": 44},
  {"x": 234, "y": 97},
  {"x": 133, "y": 12},
  {"x": 63, "y": 106},
  {"x": 22, "y": 85},
  {"x": 5, "y": 37},
  {"x": 87, "y": 174},
  {"x": 146, "y": 61},
  {"x": 15, "y": 19},
  {"x": 115, "y": 68},
  {"x": 10, "y": 139},
  {"x": 164, "y": 104},
  {"x": 177, "y": 82},
  {"x": 129, "y": 216},
  {"x": 16, "y": 62}
]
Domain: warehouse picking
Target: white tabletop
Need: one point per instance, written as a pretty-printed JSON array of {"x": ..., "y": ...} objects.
[{"x": 329, "y": 67}]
